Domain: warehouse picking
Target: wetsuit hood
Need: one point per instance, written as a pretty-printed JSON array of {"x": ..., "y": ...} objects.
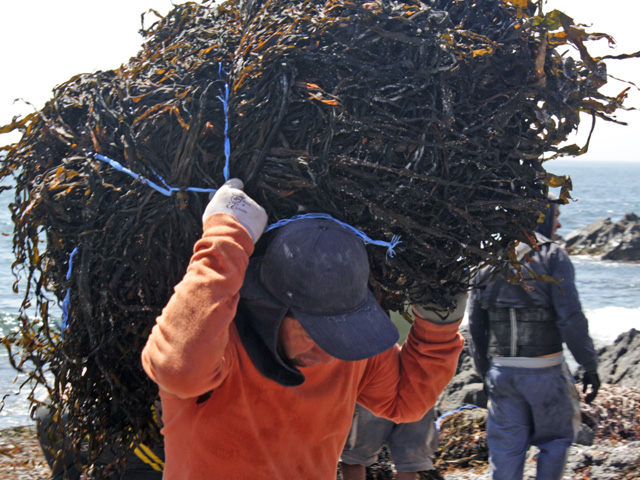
[{"x": 546, "y": 227}]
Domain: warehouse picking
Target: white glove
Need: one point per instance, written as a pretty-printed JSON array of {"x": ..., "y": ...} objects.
[
  {"x": 232, "y": 200},
  {"x": 436, "y": 314}
]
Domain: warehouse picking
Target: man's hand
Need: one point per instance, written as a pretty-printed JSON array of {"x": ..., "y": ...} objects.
[
  {"x": 436, "y": 314},
  {"x": 590, "y": 378},
  {"x": 232, "y": 200}
]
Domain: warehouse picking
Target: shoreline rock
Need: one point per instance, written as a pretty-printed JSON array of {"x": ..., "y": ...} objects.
[
  {"x": 618, "y": 241},
  {"x": 608, "y": 446},
  {"x": 619, "y": 363}
]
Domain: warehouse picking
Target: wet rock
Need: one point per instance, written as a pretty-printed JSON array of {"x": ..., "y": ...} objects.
[
  {"x": 466, "y": 387},
  {"x": 610, "y": 241},
  {"x": 619, "y": 363},
  {"x": 585, "y": 435}
]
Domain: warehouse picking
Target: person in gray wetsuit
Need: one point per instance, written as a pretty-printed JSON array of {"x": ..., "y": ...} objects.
[{"x": 517, "y": 337}]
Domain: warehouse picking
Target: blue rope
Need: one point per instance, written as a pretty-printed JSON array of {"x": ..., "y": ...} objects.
[
  {"x": 166, "y": 190},
  {"x": 395, "y": 240},
  {"x": 225, "y": 107},
  {"x": 67, "y": 298},
  {"x": 448, "y": 414}
]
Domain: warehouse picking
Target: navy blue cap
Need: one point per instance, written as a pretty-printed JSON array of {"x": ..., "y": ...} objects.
[{"x": 320, "y": 271}]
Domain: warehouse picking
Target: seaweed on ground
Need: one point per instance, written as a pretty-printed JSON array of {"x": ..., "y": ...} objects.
[
  {"x": 428, "y": 120},
  {"x": 615, "y": 415},
  {"x": 463, "y": 440}
]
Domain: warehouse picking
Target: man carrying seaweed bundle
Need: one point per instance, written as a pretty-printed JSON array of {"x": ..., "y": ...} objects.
[{"x": 260, "y": 361}]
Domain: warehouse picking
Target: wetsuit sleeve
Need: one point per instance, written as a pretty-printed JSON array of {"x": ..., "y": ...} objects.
[
  {"x": 186, "y": 352},
  {"x": 573, "y": 325},
  {"x": 479, "y": 331},
  {"x": 402, "y": 384}
]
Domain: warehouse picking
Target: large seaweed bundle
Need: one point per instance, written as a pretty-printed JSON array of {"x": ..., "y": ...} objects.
[{"x": 428, "y": 120}]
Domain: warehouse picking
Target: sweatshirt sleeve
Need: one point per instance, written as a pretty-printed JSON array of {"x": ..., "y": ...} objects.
[
  {"x": 573, "y": 325},
  {"x": 186, "y": 351},
  {"x": 402, "y": 384}
]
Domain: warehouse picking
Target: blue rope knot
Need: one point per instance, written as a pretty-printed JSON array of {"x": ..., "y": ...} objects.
[
  {"x": 163, "y": 188},
  {"x": 395, "y": 240}
]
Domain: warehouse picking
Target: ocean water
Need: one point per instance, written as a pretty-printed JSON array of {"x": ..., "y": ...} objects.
[{"x": 609, "y": 291}]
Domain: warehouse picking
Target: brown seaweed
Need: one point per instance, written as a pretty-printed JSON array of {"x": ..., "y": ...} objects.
[{"x": 428, "y": 120}]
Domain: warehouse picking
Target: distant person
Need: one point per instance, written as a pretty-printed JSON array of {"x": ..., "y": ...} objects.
[
  {"x": 412, "y": 446},
  {"x": 517, "y": 338},
  {"x": 261, "y": 360}
]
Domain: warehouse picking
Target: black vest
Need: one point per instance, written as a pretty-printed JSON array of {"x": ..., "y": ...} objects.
[
  {"x": 528, "y": 331},
  {"x": 523, "y": 332}
]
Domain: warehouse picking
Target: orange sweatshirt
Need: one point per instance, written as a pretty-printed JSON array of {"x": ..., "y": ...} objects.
[{"x": 224, "y": 419}]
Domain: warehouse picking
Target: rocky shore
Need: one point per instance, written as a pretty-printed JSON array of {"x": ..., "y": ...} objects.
[
  {"x": 619, "y": 241},
  {"x": 22, "y": 459},
  {"x": 608, "y": 447}
]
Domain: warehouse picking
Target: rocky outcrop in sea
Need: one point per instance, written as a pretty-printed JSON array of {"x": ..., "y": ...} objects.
[{"x": 609, "y": 241}]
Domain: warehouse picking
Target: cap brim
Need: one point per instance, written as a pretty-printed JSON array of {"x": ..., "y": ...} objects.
[{"x": 354, "y": 335}]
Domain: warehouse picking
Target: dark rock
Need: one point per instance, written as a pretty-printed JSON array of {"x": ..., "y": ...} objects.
[
  {"x": 466, "y": 387},
  {"x": 610, "y": 241},
  {"x": 585, "y": 435},
  {"x": 471, "y": 394},
  {"x": 619, "y": 363}
]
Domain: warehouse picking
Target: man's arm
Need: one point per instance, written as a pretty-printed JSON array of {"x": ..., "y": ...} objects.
[
  {"x": 185, "y": 353},
  {"x": 403, "y": 384},
  {"x": 573, "y": 325}
]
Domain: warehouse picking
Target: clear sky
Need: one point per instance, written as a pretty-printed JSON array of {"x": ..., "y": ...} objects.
[{"x": 45, "y": 42}]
